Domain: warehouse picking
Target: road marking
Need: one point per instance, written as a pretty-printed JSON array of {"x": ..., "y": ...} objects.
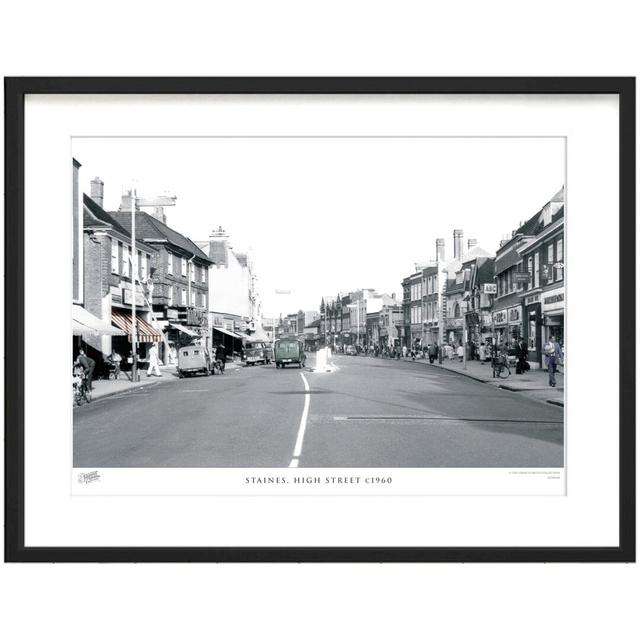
[
  {"x": 303, "y": 424},
  {"x": 449, "y": 419}
]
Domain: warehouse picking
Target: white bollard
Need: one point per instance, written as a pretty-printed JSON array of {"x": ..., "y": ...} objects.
[{"x": 321, "y": 359}]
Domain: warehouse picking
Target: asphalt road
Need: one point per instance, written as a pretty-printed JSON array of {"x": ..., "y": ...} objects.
[{"x": 368, "y": 412}]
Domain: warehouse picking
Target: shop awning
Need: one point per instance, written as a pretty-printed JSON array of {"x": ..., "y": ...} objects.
[
  {"x": 86, "y": 324},
  {"x": 229, "y": 333},
  {"x": 146, "y": 333},
  {"x": 181, "y": 327}
]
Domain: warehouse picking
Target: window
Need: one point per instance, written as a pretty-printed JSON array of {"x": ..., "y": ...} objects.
[
  {"x": 203, "y": 275},
  {"x": 125, "y": 271},
  {"x": 142, "y": 265},
  {"x": 456, "y": 311},
  {"x": 115, "y": 255},
  {"x": 530, "y": 270},
  {"x": 192, "y": 269},
  {"x": 193, "y": 298},
  {"x": 170, "y": 296},
  {"x": 559, "y": 260},
  {"x": 183, "y": 297},
  {"x": 169, "y": 263},
  {"x": 519, "y": 284},
  {"x": 536, "y": 269},
  {"x": 184, "y": 267},
  {"x": 550, "y": 268}
]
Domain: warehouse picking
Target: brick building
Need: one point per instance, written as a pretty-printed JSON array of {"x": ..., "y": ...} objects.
[
  {"x": 109, "y": 285},
  {"x": 543, "y": 295},
  {"x": 178, "y": 278}
]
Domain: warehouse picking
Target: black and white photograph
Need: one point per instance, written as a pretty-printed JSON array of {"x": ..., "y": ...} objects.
[{"x": 319, "y": 302}]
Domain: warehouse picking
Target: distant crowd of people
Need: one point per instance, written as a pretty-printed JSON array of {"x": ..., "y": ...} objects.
[{"x": 514, "y": 352}]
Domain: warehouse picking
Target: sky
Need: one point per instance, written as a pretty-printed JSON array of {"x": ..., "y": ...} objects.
[{"x": 328, "y": 215}]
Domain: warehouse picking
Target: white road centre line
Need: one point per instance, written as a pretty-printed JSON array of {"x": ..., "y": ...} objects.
[{"x": 303, "y": 423}]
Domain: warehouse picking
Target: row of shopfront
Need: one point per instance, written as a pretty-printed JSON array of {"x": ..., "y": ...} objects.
[{"x": 533, "y": 317}]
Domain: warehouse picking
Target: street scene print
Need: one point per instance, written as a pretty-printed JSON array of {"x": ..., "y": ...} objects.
[{"x": 318, "y": 303}]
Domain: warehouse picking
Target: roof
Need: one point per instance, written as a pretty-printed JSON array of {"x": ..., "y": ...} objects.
[
  {"x": 241, "y": 258},
  {"x": 95, "y": 217},
  {"x": 151, "y": 229},
  {"x": 485, "y": 272},
  {"x": 311, "y": 325}
]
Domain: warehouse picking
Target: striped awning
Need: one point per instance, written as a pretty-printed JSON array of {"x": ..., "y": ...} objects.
[
  {"x": 86, "y": 324},
  {"x": 146, "y": 333}
]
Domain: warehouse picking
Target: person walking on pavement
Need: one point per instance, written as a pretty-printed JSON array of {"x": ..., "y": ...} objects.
[
  {"x": 404, "y": 350},
  {"x": 522, "y": 366},
  {"x": 88, "y": 364},
  {"x": 433, "y": 352},
  {"x": 116, "y": 359},
  {"x": 154, "y": 362},
  {"x": 552, "y": 356},
  {"x": 221, "y": 356}
]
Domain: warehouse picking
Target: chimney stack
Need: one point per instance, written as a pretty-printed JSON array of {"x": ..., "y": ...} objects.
[
  {"x": 159, "y": 214},
  {"x": 97, "y": 191},
  {"x": 458, "y": 240},
  {"x": 440, "y": 249},
  {"x": 472, "y": 242},
  {"x": 219, "y": 246},
  {"x": 125, "y": 202}
]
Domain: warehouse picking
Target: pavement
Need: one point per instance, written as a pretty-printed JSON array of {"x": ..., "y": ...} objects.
[
  {"x": 366, "y": 412},
  {"x": 534, "y": 383},
  {"x": 106, "y": 388}
]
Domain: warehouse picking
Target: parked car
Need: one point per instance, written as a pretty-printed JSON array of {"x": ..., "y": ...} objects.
[
  {"x": 350, "y": 350},
  {"x": 257, "y": 351},
  {"x": 193, "y": 359},
  {"x": 289, "y": 351}
]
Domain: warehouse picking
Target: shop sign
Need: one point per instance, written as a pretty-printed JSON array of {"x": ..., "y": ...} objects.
[
  {"x": 553, "y": 300},
  {"x": 172, "y": 314},
  {"x": 454, "y": 322},
  {"x": 522, "y": 276},
  {"x": 128, "y": 297},
  {"x": 534, "y": 299},
  {"x": 500, "y": 317},
  {"x": 514, "y": 314},
  {"x": 490, "y": 289}
]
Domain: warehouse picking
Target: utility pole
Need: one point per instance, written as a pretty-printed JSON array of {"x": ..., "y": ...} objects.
[{"x": 134, "y": 262}]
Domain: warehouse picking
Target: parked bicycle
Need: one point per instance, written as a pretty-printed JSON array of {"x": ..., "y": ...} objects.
[{"x": 500, "y": 366}]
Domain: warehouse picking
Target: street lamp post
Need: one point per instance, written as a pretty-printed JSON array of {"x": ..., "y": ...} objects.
[{"x": 160, "y": 201}]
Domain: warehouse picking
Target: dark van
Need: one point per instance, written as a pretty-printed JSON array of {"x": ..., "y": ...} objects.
[{"x": 289, "y": 351}]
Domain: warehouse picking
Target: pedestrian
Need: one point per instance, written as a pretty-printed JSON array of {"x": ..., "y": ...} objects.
[
  {"x": 522, "y": 353},
  {"x": 481, "y": 353},
  {"x": 433, "y": 352},
  {"x": 88, "y": 364},
  {"x": 404, "y": 350},
  {"x": 460, "y": 352},
  {"x": 154, "y": 362},
  {"x": 221, "y": 356},
  {"x": 116, "y": 360},
  {"x": 552, "y": 354}
]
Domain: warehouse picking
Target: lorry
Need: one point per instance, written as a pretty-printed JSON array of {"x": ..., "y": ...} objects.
[
  {"x": 289, "y": 351},
  {"x": 257, "y": 351}
]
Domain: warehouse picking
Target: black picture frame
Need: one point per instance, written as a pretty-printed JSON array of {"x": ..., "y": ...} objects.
[{"x": 15, "y": 91}]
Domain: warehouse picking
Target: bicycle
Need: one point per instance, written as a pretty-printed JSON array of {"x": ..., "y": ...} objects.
[
  {"x": 500, "y": 366},
  {"x": 81, "y": 391}
]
